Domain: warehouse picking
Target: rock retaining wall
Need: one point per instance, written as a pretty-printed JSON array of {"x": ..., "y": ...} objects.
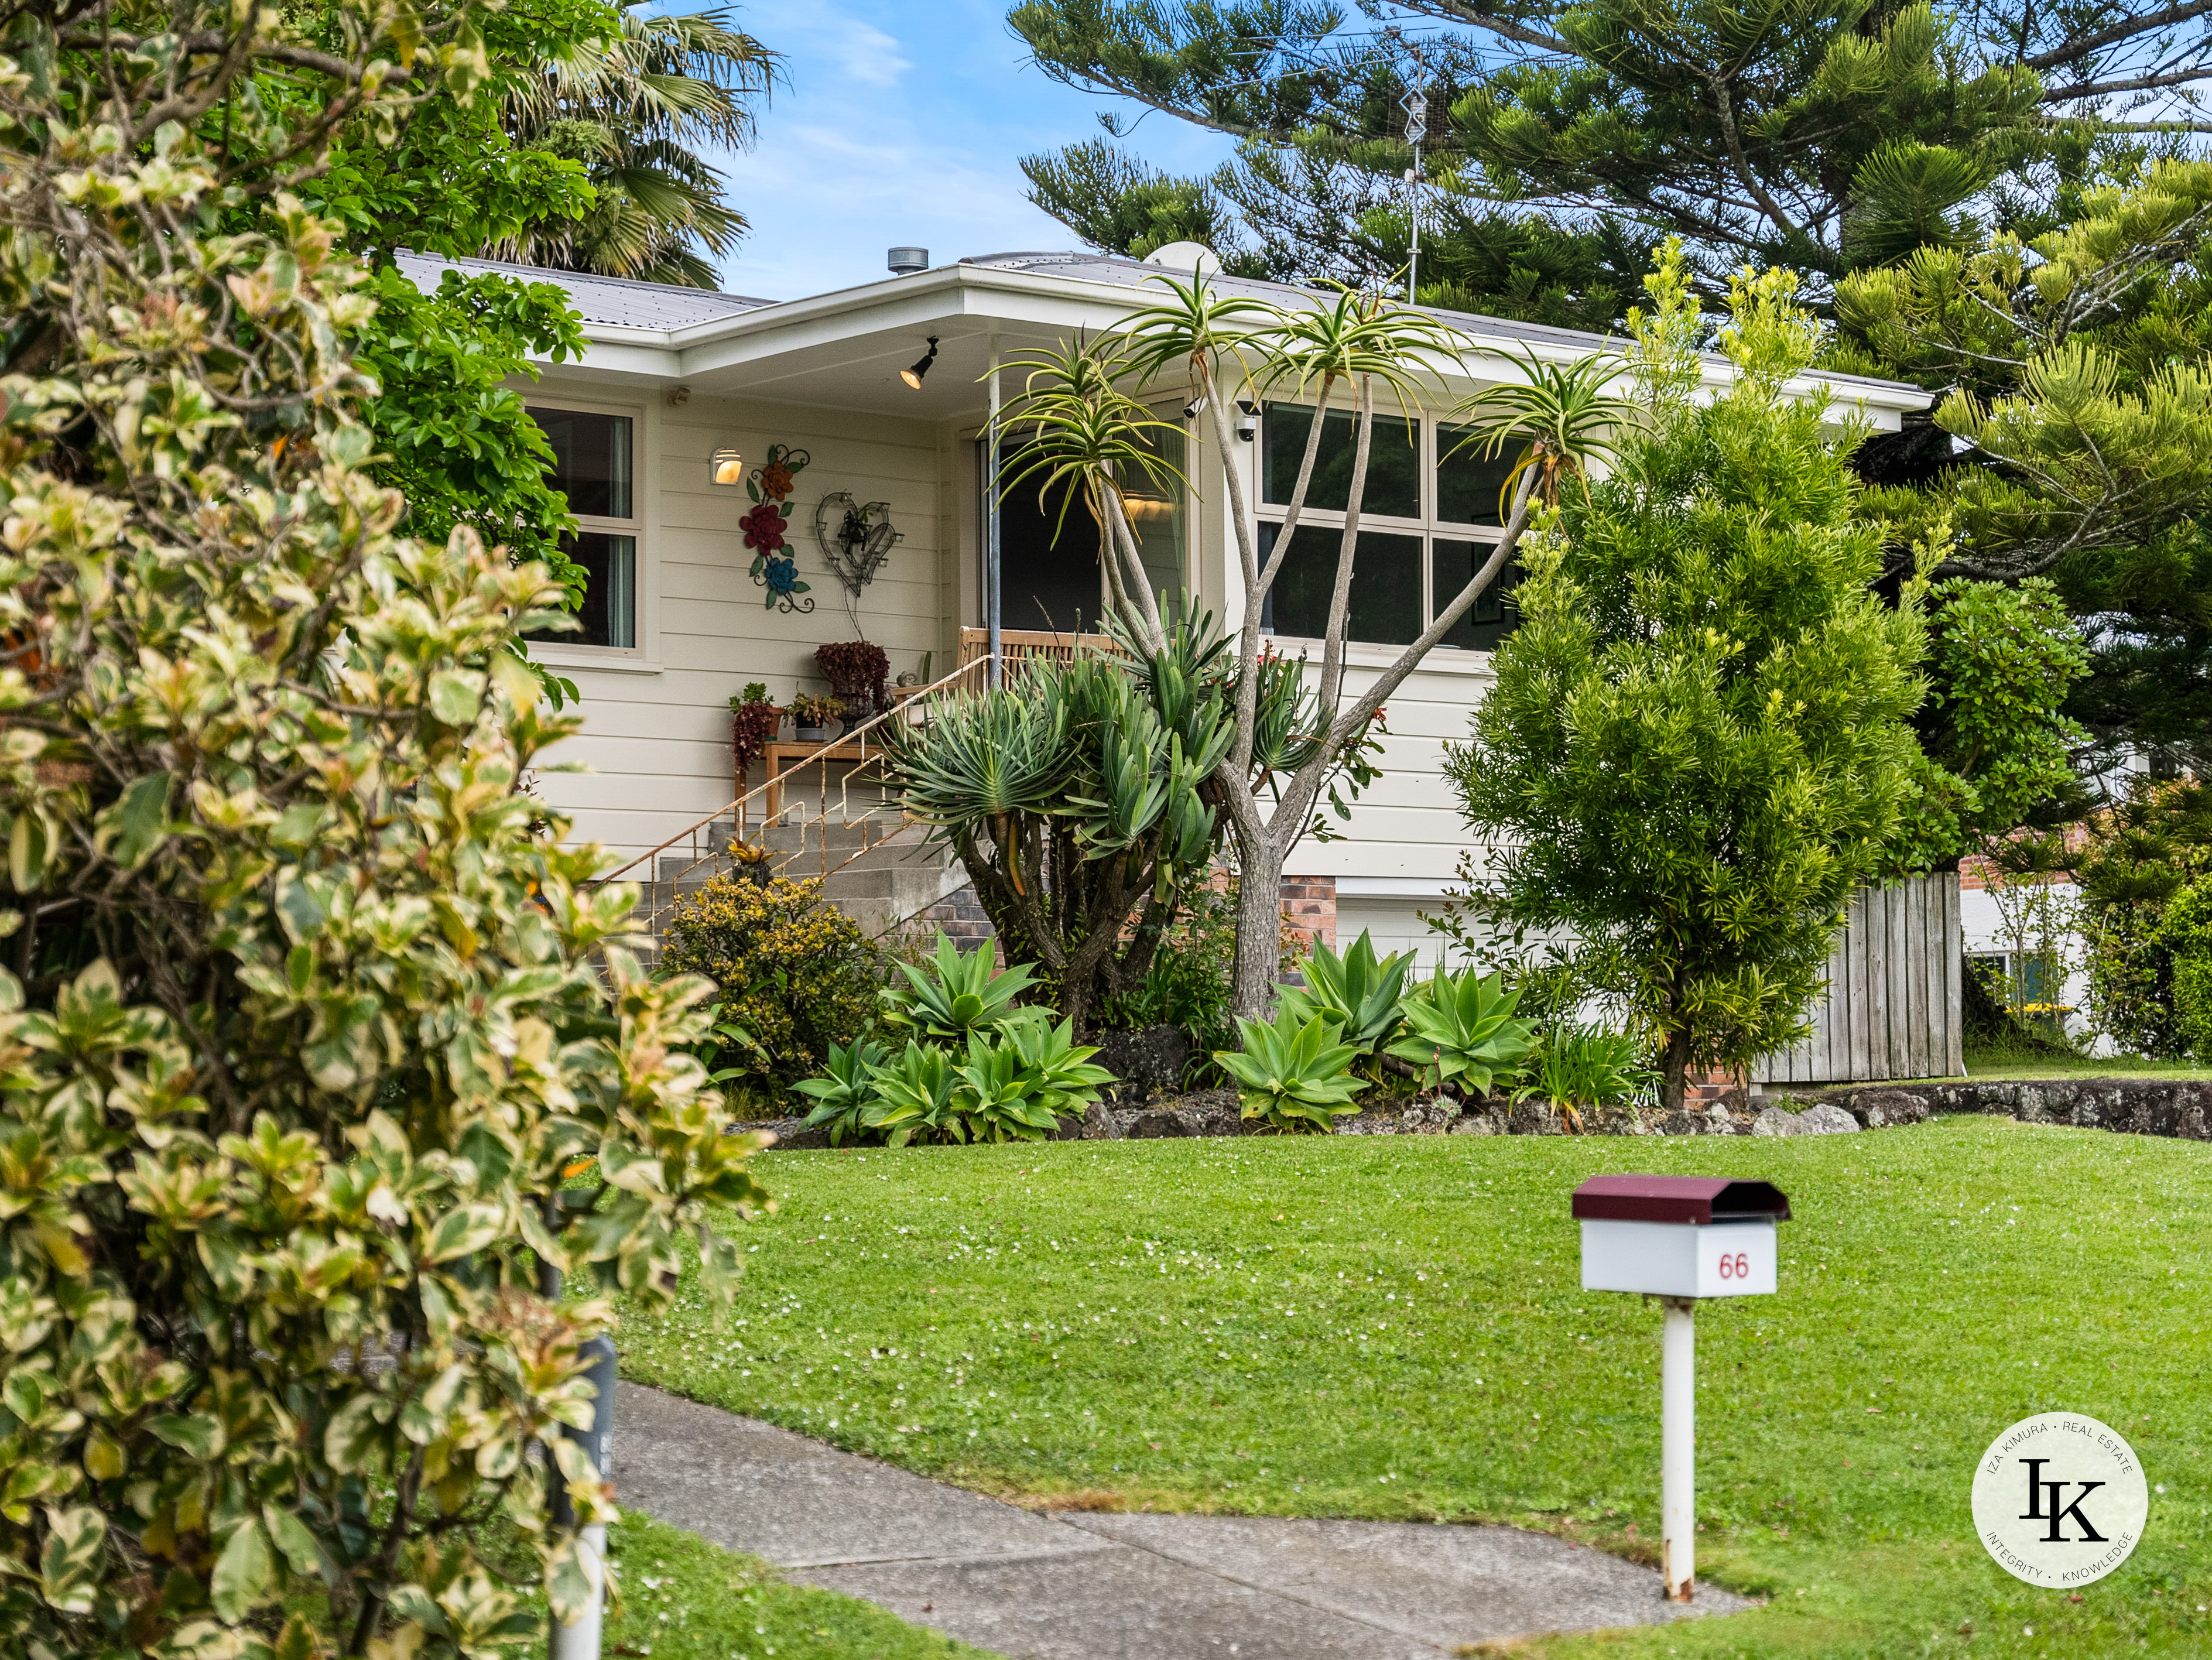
[{"x": 2136, "y": 1106}]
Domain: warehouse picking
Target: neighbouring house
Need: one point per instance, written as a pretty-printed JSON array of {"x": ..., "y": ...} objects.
[{"x": 885, "y": 387}]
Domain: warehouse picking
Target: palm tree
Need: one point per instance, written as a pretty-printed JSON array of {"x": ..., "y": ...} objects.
[{"x": 634, "y": 113}]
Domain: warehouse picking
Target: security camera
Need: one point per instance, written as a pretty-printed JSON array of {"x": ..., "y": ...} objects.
[
  {"x": 1194, "y": 408},
  {"x": 1247, "y": 425}
]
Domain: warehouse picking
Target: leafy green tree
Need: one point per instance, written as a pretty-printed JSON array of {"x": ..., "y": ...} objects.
[
  {"x": 1995, "y": 746},
  {"x": 2078, "y": 374},
  {"x": 2131, "y": 862},
  {"x": 1819, "y": 138},
  {"x": 1697, "y": 744},
  {"x": 306, "y": 1016},
  {"x": 634, "y": 109}
]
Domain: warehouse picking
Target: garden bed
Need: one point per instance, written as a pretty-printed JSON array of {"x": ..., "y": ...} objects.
[{"x": 2141, "y": 1106}]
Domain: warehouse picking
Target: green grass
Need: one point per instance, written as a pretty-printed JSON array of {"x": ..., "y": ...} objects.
[
  {"x": 1392, "y": 1327},
  {"x": 1998, "y": 1063},
  {"x": 684, "y": 1599}
]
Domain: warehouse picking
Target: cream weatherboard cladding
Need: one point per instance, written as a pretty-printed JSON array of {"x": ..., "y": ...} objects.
[{"x": 699, "y": 371}]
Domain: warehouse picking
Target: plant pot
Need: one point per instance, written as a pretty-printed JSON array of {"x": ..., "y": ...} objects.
[{"x": 812, "y": 734}]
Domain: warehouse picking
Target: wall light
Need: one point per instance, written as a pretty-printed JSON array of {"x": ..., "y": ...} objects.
[
  {"x": 726, "y": 466},
  {"x": 913, "y": 376}
]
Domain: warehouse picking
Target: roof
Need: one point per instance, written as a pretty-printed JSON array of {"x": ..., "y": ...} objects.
[
  {"x": 616, "y": 301},
  {"x": 1128, "y": 273},
  {"x": 1691, "y": 1199}
]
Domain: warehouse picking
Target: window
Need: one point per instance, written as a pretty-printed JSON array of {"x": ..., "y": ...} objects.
[
  {"x": 1430, "y": 519},
  {"x": 1049, "y": 579},
  {"x": 591, "y": 465}
]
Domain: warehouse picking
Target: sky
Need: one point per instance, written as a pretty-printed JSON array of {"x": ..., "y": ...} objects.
[{"x": 900, "y": 124}]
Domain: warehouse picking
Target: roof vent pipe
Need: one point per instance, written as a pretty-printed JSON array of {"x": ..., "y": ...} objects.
[{"x": 905, "y": 262}]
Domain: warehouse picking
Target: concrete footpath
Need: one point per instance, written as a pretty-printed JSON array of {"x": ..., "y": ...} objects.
[{"x": 1078, "y": 1586}]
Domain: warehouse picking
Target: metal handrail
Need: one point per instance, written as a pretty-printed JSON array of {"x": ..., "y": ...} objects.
[{"x": 733, "y": 809}]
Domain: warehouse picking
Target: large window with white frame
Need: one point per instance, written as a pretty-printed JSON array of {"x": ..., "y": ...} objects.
[
  {"x": 1430, "y": 514},
  {"x": 594, "y": 456}
]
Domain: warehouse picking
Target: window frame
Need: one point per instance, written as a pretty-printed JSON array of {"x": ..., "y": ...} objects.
[
  {"x": 553, "y": 652},
  {"x": 1426, "y": 525}
]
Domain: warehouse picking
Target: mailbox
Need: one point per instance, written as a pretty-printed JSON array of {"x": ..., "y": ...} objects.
[{"x": 1679, "y": 1236}]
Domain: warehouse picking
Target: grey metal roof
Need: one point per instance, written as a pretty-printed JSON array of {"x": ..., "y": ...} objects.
[
  {"x": 612, "y": 299},
  {"x": 1128, "y": 273}
]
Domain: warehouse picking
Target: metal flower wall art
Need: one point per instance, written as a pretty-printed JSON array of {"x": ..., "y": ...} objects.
[{"x": 774, "y": 567}]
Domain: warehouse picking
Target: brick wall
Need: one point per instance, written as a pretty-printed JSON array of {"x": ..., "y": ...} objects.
[{"x": 1309, "y": 909}]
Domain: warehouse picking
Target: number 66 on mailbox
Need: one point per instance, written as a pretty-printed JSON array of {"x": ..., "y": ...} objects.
[{"x": 1678, "y": 1238}]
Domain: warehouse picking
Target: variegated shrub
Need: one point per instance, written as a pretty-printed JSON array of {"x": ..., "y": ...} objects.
[{"x": 299, "y": 1031}]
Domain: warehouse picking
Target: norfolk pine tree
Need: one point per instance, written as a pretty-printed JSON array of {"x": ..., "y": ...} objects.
[{"x": 1698, "y": 743}]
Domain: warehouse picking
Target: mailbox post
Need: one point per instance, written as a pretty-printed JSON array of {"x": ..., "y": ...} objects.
[{"x": 1678, "y": 1238}]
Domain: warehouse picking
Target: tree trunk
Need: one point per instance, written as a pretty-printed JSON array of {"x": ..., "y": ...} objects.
[
  {"x": 1674, "y": 1072},
  {"x": 1259, "y": 931}
]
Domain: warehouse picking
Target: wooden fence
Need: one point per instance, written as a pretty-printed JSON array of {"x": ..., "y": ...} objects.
[{"x": 1892, "y": 1007}]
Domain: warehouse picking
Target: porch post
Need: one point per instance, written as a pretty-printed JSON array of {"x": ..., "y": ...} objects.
[{"x": 991, "y": 606}]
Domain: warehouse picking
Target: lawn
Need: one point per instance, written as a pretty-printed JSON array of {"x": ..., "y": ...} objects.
[
  {"x": 1392, "y": 1327},
  {"x": 684, "y": 1599},
  {"x": 1999, "y": 1063}
]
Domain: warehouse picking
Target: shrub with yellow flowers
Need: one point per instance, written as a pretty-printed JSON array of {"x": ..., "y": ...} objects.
[{"x": 795, "y": 973}]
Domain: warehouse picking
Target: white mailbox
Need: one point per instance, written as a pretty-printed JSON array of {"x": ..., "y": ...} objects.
[{"x": 1678, "y": 1238}]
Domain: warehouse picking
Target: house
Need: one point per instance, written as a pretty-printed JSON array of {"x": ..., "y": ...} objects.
[{"x": 884, "y": 387}]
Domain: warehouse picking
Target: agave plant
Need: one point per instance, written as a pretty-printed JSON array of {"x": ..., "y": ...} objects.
[
  {"x": 1356, "y": 994},
  {"x": 1061, "y": 1076},
  {"x": 842, "y": 1093},
  {"x": 1294, "y": 1077},
  {"x": 956, "y": 993},
  {"x": 996, "y": 1096},
  {"x": 1464, "y": 1030},
  {"x": 913, "y": 1097},
  {"x": 1571, "y": 1067}
]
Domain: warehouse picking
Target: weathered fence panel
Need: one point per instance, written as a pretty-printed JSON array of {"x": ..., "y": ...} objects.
[{"x": 1893, "y": 1006}]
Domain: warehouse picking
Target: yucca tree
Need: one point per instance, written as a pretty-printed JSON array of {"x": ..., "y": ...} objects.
[
  {"x": 1562, "y": 415},
  {"x": 1275, "y": 777},
  {"x": 638, "y": 112}
]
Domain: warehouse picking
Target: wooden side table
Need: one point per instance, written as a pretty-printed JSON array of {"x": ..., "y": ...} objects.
[{"x": 776, "y": 756}]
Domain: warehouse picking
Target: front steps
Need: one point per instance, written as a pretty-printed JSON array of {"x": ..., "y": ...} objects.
[{"x": 893, "y": 875}]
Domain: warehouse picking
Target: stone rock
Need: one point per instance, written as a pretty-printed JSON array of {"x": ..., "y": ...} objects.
[
  {"x": 1533, "y": 1118},
  {"x": 1886, "y": 1108},
  {"x": 1208, "y": 1112},
  {"x": 1147, "y": 1060},
  {"x": 1776, "y": 1120},
  {"x": 792, "y": 1135},
  {"x": 1477, "y": 1122},
  {"x": 1827, "y": 1118},
  {"x": 1099, "y": 1123}
]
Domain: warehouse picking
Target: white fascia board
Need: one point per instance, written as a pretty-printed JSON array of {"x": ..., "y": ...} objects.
[{"x": 987, "y": 293}]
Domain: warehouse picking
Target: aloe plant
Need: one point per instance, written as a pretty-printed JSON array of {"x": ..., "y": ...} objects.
[
  {"x": 1464, "y": 1030},
  {"x": 842, "y": 1093},
  {"x": 1356, "y": 994},
  {"x": 1296, "y": 1077},
  {"x": 956, "y": 993},
  {"x": 912, "y": 1098},
  {"x": 1571, "y": 1067}
]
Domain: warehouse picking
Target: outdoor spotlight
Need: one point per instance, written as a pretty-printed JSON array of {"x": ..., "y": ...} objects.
[
  {"x": 726, "y": 466},
  {"x": 1248, "y": 425},
  {"x": 1195, "y": 408},
  {"x": 913, "y": 376}
]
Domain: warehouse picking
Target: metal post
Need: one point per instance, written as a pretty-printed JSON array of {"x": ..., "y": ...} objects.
[
  {"x": 581, "y": 1641},
  {"x": 1678, "y": 1449},
  {"x": 992, "y": 610}
]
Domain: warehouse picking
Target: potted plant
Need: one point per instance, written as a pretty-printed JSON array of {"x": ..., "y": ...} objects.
[
  {"x": 858, "y": 673},
  {"x": 812, "y": 715}
]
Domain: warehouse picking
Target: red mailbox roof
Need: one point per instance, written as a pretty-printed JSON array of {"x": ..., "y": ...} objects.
[{"x": 1694, "y": 1199}]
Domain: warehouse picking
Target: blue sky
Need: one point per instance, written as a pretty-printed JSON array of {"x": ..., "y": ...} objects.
[{"x": 902, "y": 124}]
